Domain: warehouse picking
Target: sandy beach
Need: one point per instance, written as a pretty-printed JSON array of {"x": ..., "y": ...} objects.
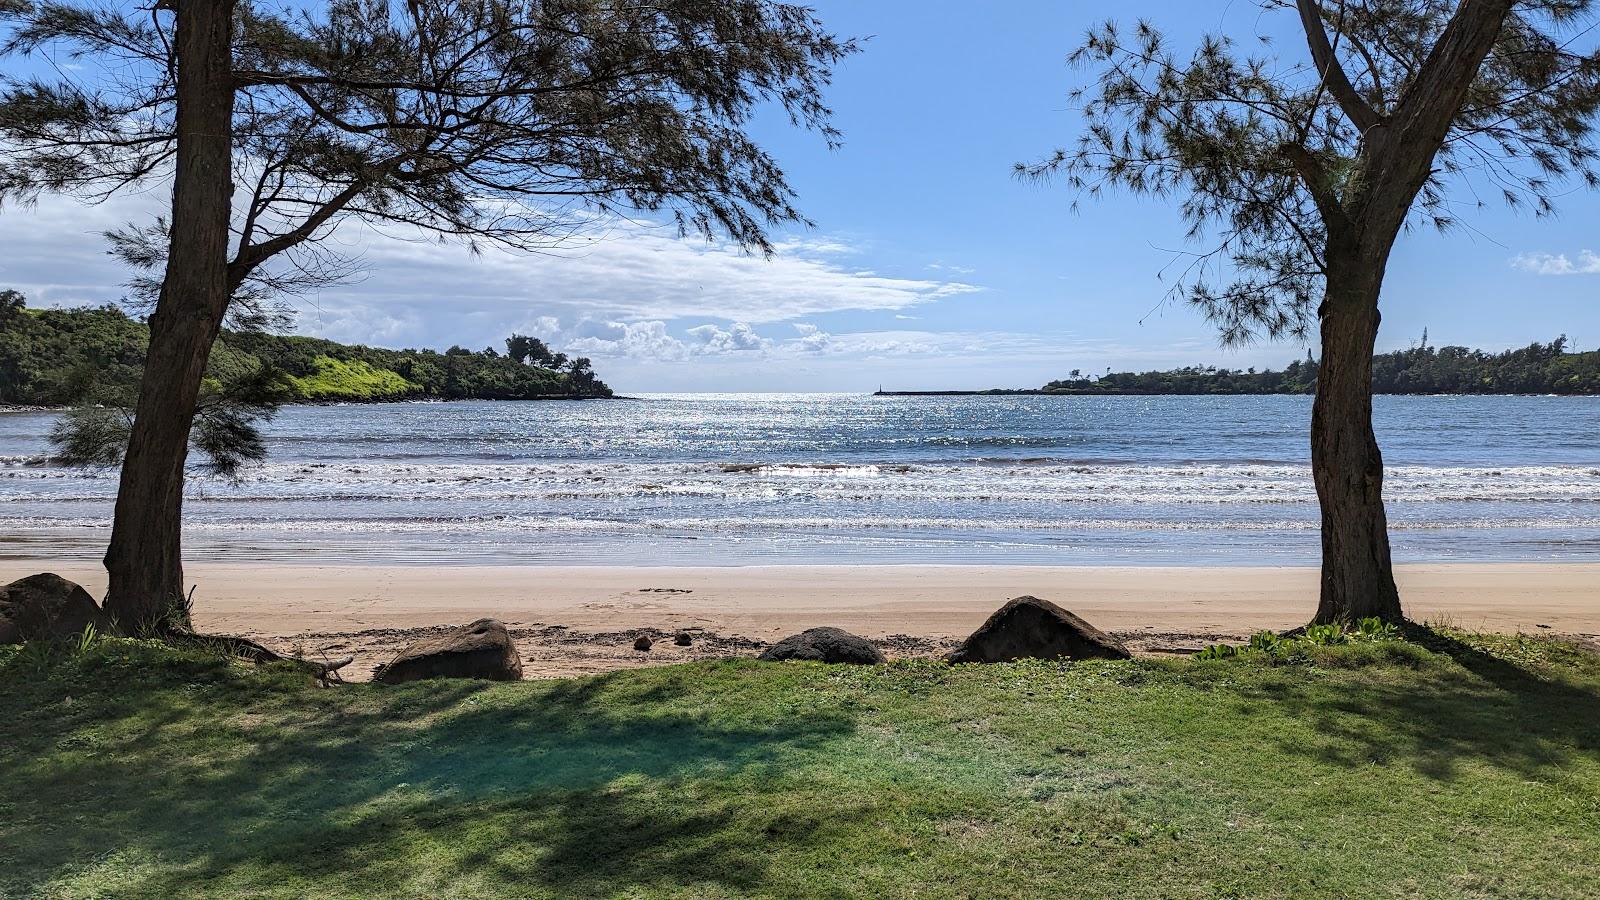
[{"x": 575, "y": 620}]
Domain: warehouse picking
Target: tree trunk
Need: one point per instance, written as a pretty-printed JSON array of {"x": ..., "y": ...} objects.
[
  {"x": 1357, "y": 575},
  {"x": 144, "y": 559}
]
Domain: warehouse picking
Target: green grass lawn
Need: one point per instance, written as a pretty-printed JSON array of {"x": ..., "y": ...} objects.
[{"x": 1369, "y": 770}]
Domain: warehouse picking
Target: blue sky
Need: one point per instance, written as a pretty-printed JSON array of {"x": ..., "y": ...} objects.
[{"x": 930, "y": 265}]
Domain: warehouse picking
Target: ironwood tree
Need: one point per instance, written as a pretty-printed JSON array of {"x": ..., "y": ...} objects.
[
  {"x": 497, "y": 123},
  {"x": 1299, "y": 170}
]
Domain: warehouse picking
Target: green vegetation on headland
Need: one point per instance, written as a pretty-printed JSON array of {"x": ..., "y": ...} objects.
[
  {"x": 56, "y": 357},
  {"x": 1462, "y": 765},
  {"x": 1534, "y": 369}
]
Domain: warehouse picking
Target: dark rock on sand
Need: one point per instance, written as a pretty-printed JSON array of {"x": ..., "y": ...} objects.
[
  {"x": 480, "y": 650},
  {"x": 682, "y": 639},
  {"x": 643, "y": 644},
  {"x": 829, "y": 645},
  {"x": 46, "y": 607},
  {"x": 1030, "y": 628}
]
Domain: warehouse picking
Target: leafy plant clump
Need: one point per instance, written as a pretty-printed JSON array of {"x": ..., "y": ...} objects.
[{"x": 1276, "y": 648}]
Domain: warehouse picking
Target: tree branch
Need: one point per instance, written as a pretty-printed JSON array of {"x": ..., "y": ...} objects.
[
  {"x": 1331, "y": 72},
  {"x": 1315, "y": 177},
  {"x": 1439, "y": 91},
  {"x": 248, "y": 258}
]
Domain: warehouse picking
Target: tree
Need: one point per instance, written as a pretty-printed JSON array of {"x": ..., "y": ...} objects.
[
  {"x": 504, "y": 123},
  {"x": 517, "y": 348},
  {"x": 1301, "y": 176},
  {"x": 525, "y": 349}
]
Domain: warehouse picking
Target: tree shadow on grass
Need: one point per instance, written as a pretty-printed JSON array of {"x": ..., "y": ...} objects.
[
  {"x": 1484, "y": 710},
  {"x": 584, "y": 786}
]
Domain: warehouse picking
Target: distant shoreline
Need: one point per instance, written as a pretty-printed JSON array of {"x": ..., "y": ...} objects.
[{"x": 1036, "y": 392}]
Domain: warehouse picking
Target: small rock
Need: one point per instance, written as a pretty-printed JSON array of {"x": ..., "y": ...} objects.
[
  {"x": 682, "y": 639},
  {"x": 829, "y": 645},
  {"x": 482, "y": 649},
  {"x": 643, "y": 644}
]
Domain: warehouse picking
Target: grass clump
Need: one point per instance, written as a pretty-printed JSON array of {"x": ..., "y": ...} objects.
[{"x": 1455, "y": 765}]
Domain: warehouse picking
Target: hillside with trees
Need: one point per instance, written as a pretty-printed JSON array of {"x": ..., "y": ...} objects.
[
  {"x": 1535, "y": 369},
  {"x": 60, "y": 357}
]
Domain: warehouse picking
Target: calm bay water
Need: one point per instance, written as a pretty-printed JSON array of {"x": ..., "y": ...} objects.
[{"x": 806, "y": 478}]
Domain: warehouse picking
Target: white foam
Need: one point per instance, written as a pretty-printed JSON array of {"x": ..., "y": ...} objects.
[{"x": 1218, "y": 484}]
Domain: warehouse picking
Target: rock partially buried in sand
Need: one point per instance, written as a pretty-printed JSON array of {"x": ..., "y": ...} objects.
[
  {"x": 643, "y": 644},
  {"x": 682, "y": 639},
  {"x": 480, "y": 650},
  {"x": 829, "y": 645},
  {"x": 1030, "y": 628},
  {"x": 46, "y": 607}
]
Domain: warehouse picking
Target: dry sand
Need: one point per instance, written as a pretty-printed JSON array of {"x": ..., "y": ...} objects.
[{"x": 574, "y": 620}]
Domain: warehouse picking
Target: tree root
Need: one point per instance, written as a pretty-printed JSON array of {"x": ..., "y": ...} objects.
[{"x": 325, "y": 671}]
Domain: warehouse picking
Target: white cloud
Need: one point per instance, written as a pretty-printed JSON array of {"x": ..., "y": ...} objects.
[
  {"x": 1587, "y": 263},
  {"x": 428, "y": 293},
  {"x": 634, "y": 340},
  {"x": 54, "y": 252},
  {"x": 812, "y": 339},
  {"x": 651, "y": 340},
  {"x": 738, "y": 338},
  {"x": 634, "y": 272},
  {"x": 821, "y": 246}
]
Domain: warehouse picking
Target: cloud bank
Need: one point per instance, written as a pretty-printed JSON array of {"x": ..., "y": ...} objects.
[
  {"x": 426, "y": 292},
  {"x": 1586, "y": 263}
]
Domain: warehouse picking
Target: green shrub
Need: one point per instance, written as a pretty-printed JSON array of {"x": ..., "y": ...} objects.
[
  {"x": 1313, "y": 644},
  {"x": 1265, "y": 640},
  {"x": 1327, "y": 635},
  {"x": 1373, "y": 628}
]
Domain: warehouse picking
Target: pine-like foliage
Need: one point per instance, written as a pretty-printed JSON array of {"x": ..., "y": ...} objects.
[
  {"x": 504, "y": 122},
  {"x": 510, "y": 123},
  {"x": 1268, "y": 150}
]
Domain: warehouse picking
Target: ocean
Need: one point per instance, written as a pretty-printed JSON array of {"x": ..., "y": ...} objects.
[{"x": 741, "y": 479}]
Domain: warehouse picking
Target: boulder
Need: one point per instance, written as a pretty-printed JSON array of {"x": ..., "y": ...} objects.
[
  {"x": 480, "y": 650},
  {"x": 1030, "y": 628},
  {"x": 46, "y": 607},
  {"x": 643, "y": 643},
  {"x": 683, "y": 639},
  {"x": 829, "y": 645}
]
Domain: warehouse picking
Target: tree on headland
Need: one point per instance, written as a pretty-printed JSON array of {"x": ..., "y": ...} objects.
[
  {"x": 528, "y": 350},
  {"x": 1303, "y": 174},
  {"x": 11, "y": 304},
  {"x": 506, "y": 123}
]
